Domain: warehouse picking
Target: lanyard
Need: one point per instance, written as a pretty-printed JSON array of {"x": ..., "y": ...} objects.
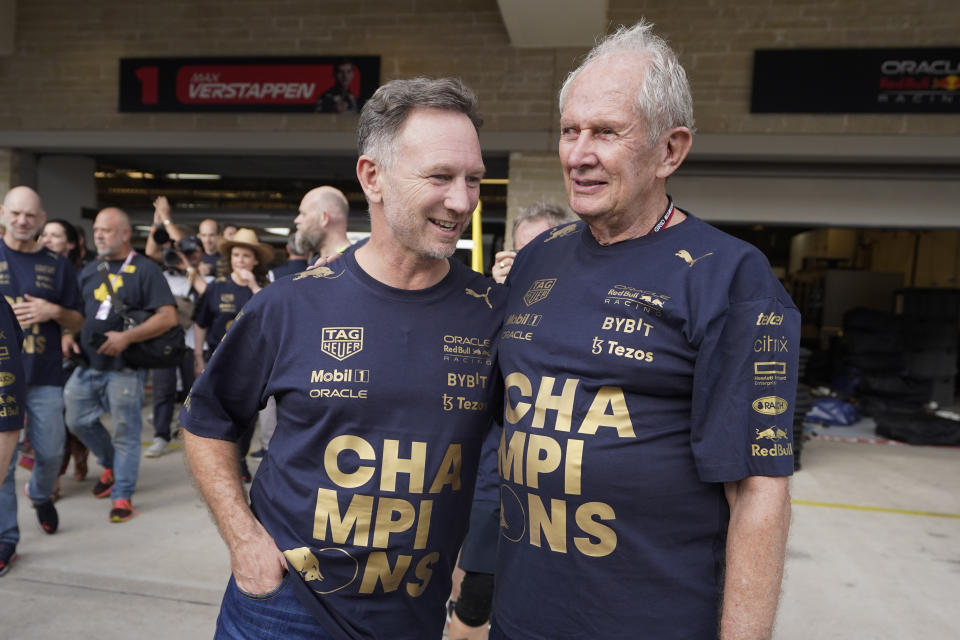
[
  {"x": 104, "y": 309},
  {"x": 665, "y": 218}
]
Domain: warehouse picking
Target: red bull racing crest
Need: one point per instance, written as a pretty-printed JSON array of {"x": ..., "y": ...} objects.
[{"x": 341, "y": 342}]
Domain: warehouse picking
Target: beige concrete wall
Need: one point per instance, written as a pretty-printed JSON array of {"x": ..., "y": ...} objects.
[{"x": 62, "y": 74}]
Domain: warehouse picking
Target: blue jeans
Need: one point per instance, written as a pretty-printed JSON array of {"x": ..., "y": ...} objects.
[
  {"x": 273, "y": 616},
  {"x": 165, "y": 393},
  {"x": 91, "y": 393},
  {"x": 44, "y": 427}
]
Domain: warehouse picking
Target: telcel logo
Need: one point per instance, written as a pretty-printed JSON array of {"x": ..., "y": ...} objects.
[
  {"x": 765, "y": 319},
  {"x": 770, "y": 405}
]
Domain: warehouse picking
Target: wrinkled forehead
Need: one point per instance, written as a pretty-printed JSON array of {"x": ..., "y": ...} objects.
[{"x": 21, "y": 202}]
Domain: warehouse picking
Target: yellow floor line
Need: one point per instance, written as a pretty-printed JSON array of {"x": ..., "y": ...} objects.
[{"x": 857, "y": 507}]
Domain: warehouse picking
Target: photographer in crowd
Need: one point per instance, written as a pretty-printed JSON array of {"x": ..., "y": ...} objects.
[{"x": 109, "y": 383}]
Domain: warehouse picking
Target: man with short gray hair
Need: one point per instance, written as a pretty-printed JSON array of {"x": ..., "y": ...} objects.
[
  {"x": 382, "y": 368},
  {"x": 647, "y": 439}
]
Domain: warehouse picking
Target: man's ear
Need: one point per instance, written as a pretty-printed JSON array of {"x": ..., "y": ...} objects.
[
  {"x": 673, "y": 149},
  {"x": 369, "y": 176}
]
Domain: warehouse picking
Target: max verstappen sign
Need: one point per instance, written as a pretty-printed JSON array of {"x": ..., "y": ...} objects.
[
  {"x": 920, "y": 80},
  {"x": 323, "y": 84}
]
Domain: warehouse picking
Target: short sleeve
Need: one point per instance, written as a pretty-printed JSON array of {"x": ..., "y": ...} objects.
[
  {"x": 156, "y": 291},
  {"x": 745, "y": 382},
  {"x": 228, "y": 394},
  {"x": 12, "y": 377},
  {"x": 69, "y": 287},
  {"x": 204, "y": 314}
]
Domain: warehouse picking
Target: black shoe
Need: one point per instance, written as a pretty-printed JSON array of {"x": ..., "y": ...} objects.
[
  {"x": 104, "y": 484},
  {"x": 47, "y": 516},
  {"x": 8, "y": 553},
  {"x": 245, "y": 474}
]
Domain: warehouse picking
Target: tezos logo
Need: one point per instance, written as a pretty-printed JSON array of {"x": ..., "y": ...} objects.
[
  {"x": 341, "y": 342},
  {"x": 770, "y": 405}
]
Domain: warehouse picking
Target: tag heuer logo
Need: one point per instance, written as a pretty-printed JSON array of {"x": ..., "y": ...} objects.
[
  {"x": 538, "y": 291},
  {"x": 341, "y": 342}
]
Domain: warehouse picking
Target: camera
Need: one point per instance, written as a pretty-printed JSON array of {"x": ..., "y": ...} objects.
[{"x": 188, "y": 245}]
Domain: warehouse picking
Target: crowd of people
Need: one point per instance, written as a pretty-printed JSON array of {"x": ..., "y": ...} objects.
[
  {"x": 588, "y": 429},
  {"x": 71, "y": 306}
]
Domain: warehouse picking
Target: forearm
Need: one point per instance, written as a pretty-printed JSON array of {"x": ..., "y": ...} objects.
[
  {"x": 164, "y": 318},
  {"x": 256, "y": 561},
  {"x": 217, "y": 474},
  {"x": 68, "y": 319},
  {"x": 199, "y": 338},
  {"x": 756, "y": 546}
]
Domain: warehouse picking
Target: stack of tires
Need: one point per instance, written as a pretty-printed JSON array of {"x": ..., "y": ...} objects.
[
  {"x": 802, "y": 404},
  {"x": 930, "y": 319},
  {"x": 872, "y": 355}
]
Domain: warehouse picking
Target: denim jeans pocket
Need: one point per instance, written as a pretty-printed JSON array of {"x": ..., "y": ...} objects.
[{"x": 273, "y": 593}]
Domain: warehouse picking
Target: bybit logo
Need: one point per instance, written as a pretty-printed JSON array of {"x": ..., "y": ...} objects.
[
  {"x": 771, "y": 318},
  {"x": 341, "y": 342}
]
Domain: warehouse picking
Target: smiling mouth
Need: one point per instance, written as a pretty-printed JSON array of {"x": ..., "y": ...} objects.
[
  {"x": 580, "y": 182},
  {"x": 444, "y": 224}
]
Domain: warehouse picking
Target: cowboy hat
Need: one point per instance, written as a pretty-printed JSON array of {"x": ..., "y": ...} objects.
[{"x": 248, "y": 239}]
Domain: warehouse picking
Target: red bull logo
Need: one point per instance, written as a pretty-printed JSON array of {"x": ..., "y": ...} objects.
[{"x": 771, "y": 433}]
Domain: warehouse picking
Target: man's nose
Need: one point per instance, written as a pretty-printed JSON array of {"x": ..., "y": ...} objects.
[
  {"x": 461, "y": 197},
  {"x": 582, "y": 150}
]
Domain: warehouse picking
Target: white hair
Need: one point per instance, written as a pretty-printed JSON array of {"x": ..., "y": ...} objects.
[{"x": 663, "y": 100}]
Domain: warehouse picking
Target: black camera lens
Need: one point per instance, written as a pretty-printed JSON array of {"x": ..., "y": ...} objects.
[
  {"x": 160, "y": 234},
  {"x": 189, "y": 244},
  {"x": 171, "y": 258}
]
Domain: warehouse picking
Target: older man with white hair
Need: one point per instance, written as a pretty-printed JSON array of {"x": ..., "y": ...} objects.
[{"x": 647, "y": 440}]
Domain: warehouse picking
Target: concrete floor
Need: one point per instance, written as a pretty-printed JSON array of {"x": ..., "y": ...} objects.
[{"x": 853, "y": 570}]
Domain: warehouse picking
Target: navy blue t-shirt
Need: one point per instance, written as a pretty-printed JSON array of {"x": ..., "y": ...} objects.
[
  {"x": 288, "y": 268},
  {"x": 12, "y": 379},
  {"x": 384, "y": 397},
  {"x": 639, "y": 377},
  {"x": 41, "y": 274},
  {"x": 219, "y": 305},
  {"x": 140, "y": 285}
]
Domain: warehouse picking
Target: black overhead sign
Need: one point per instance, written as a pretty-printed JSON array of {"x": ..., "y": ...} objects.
[
  {"x": 322, "y": 84},
  {"x": 920, "y": 80}
]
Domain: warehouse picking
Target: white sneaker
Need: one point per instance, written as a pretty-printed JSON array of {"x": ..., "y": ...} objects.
[{"x": 157, "y": 449}]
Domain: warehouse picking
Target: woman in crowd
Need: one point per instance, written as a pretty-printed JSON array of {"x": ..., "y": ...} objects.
[
  {"x": 61, "y": 237},
  {"x": 247, "y": 273}
]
